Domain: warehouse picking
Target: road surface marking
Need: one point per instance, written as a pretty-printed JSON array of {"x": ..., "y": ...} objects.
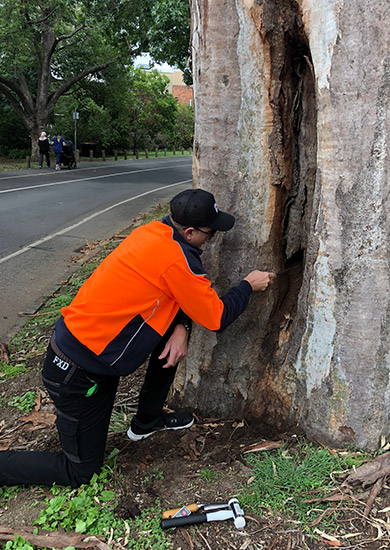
[
  {"x": 84, "y": 220},
  {"x": 87, "y": 179}
]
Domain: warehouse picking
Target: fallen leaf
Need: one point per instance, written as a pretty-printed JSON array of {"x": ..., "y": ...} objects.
[
  {"x": 329, "y": 539},
  {"x": 263, "y": 446},
  {"x": 370, "y": 472},
  {"x": 5, "y": 444},
  {"x": 39, "y": 419},
  {"x": 330, "y": 542}
]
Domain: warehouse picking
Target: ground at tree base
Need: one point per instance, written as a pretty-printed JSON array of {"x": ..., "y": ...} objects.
[{"x": 202, "y": 464}]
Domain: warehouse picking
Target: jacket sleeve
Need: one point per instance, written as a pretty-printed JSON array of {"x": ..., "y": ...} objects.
[{"x": 194, "y": 295}]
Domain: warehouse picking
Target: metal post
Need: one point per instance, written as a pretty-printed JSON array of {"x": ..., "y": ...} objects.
[{"x": 75, "y": 118}]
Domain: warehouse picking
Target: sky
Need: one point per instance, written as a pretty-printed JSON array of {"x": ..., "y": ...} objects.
[{"x": 144, "y": 60}]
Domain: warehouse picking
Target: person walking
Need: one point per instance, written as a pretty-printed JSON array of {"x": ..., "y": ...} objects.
[
  {"x": 44, "y": 149},
  {"x": 140, "y": 301},
  {"x": 58, "y": 142}
]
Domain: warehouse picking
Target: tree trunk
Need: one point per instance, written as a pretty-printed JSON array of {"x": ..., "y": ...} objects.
[{"x": 292, "y": 118}]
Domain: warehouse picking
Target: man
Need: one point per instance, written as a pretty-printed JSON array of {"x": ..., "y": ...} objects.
[{"x": 139, "y": 301}]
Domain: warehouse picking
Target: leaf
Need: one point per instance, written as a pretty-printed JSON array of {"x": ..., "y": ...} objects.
[
  {"x": 263, "y": 446},
  {"x": 39, "y": 419},
  {"x": 80, "y": 526},
  {"x": 107, "y": 495},
  {"x": 329, "y": 539},
  {"x": 370, "y": 472}
]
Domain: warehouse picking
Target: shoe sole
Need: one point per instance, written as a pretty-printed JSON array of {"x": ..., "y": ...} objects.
[{"x": 137, "y": 437}]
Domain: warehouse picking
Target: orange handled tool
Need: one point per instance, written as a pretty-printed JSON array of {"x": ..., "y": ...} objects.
[{"x": 172, "y": 513}]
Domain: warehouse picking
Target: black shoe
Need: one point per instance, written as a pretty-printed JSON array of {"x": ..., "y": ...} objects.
[{"x": 167, "y": 421}]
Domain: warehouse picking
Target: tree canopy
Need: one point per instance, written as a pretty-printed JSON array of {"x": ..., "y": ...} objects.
[{"x": 51, "y": 45}]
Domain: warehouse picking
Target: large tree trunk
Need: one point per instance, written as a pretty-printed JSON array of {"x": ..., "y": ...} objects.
[{"x": 292, "y": 119}]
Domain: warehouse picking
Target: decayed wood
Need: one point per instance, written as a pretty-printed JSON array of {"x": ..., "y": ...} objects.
[{"x": 52, "y": 539}]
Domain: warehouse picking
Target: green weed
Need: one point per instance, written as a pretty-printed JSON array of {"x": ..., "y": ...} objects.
[
  {"x": 147, "y": 533},
  {"x": 25, "y": 402},
  {"x": 284, "y": 480},
  {"x": 8, "y": 493},
  {"x": 120, "y": 419},
  {"x": 152, "y": 475},
  {"x": 19, "y": 543},
  {"x": 10, "y": 371},
  {"x": 88, "y": 509},
  {"x": 208, "y": 475},
  {"x": 49, "y": 314}
]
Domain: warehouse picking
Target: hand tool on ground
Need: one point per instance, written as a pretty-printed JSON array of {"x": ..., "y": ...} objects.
[
  {"x": 231, "y": 510},
  {"x": 186, "y": 510}
]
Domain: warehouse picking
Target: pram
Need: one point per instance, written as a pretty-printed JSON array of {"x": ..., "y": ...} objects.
[{"x": 67, "y": 156}]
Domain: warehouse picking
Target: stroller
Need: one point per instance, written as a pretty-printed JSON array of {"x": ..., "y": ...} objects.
[{"x": 67, "y": 157}]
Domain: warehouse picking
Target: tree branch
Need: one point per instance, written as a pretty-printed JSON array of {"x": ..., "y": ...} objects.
[
  {"x": 8, "y": 85},
  {"x": 70, "y": 35},
  {"x": 73, "y": 80},
  {"x": 5, "y": 91}
]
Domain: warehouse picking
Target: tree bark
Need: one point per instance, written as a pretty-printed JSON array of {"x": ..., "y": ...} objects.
[{"x": 292, "y": 119}]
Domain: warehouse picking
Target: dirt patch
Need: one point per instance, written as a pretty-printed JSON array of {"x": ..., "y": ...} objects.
[{"x": 203, "y": 464}]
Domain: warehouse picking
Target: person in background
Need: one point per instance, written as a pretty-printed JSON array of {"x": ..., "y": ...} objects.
[
  {"x": 44, "y": 149},
  {"x": 58, "y": 142}
]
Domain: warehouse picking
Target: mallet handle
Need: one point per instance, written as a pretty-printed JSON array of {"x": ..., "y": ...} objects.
[{"x": 192, "y": 519}]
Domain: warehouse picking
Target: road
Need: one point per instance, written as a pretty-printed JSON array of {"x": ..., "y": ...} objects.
[{"x": 47, "y": 216}]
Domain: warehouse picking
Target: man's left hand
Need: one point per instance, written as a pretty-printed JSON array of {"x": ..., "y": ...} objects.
[{"x": 176, "y": 347}]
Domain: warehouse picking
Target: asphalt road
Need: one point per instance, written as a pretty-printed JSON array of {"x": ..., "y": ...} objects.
[{"x": 47, "y": 216}]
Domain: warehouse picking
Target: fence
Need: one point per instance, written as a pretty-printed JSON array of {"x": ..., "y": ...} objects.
[{"x": 145, "y": 153}]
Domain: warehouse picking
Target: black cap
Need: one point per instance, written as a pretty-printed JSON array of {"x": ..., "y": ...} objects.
[{"x": 197, "y": 208}]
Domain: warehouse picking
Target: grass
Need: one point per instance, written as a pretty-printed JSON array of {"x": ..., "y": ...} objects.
[
  {"x": 282, "y": 481},
  {"x": 208, "y": 475}
]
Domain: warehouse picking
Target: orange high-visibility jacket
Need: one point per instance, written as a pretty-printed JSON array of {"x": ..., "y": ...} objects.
[{"x": 121, "y": 312}]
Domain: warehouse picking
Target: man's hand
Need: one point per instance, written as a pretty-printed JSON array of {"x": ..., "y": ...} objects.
[
  {"x": 259, "y": 280},
  {"x": 176, "y": 347}
]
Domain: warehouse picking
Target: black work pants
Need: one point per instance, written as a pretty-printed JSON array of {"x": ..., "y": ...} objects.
[
  {"x": 84, "y": 403},
  {"x": 47, "y": 156}
]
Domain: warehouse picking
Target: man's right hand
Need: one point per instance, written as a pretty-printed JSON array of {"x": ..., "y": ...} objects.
[{"x": 259, "y": 280}]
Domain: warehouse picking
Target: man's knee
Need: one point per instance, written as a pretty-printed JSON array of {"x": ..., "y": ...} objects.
[{"x": 82, "y": 473}]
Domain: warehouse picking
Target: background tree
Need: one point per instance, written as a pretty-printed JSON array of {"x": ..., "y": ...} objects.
[
  {"x": 292, "y": 126},
  {"x": 49, "y": 46},
  {"x": 169, "y": 35}
]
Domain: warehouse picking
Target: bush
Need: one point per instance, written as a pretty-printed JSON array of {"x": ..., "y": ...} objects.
[{"x": 19, "y": 153}]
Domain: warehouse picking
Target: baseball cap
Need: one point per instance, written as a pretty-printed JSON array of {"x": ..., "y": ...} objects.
[{"x": 197, "y": 208}]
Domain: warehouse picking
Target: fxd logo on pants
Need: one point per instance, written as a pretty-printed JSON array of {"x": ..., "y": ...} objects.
[{"x": 60, "y": 363}]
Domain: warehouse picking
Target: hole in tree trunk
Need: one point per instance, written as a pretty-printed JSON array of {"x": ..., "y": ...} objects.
[{"x": 293, "y": 147}]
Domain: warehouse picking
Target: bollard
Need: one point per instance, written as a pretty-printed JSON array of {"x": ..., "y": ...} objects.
[
  {"x": 90, "y": 155},
  {"x": 116, "y": 155},
  {"x": 182, "y": 150},
  {"x": 174, "y": 151},
  {"x": 125, "y": 155},
  {"x": 28, "y": 161},
  {"x": 77, "y": 155},
  {"x": 165, "y": 151},
  {"x": 104, "y": 155},
  {"x": 156, "y": 152}
]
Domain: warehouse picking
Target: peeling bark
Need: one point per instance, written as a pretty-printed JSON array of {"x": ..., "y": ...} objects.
[{"x": 292, "y": 119}]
